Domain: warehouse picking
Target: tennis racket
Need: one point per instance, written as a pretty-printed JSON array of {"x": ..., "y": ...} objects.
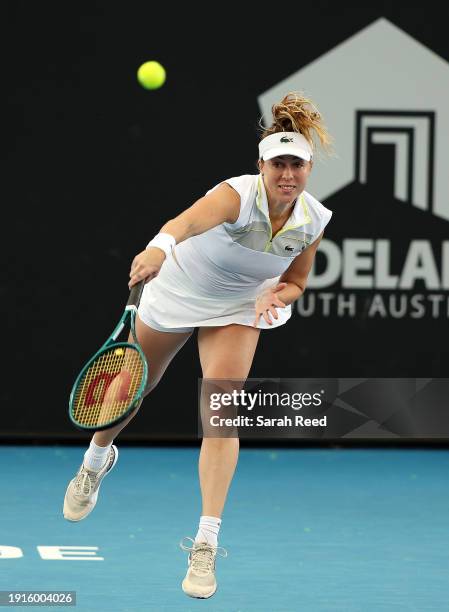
[{"x": 112, "y": 383}]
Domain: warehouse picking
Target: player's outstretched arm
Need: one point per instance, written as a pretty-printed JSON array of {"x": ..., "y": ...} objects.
[{"x": 220, "y": 206}]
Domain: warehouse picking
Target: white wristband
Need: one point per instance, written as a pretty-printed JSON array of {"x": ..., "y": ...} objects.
[{"x": 163, "y": 241}]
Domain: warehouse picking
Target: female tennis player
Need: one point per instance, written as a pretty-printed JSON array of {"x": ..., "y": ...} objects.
[{"x": 230, "y": 265}]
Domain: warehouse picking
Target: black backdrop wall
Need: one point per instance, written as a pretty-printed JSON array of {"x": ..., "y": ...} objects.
[{"x": 95, "y": 165}]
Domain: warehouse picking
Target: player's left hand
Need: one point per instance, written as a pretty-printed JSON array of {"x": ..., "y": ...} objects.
[{"x": 266, "y": 304}]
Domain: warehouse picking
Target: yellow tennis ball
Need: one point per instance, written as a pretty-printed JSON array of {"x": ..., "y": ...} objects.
[{"x": 151, "y": 75}]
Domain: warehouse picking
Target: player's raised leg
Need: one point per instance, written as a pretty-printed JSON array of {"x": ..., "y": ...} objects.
[
  {"x": 225, "y": 353},
  {"x": 101, "y": 456}
]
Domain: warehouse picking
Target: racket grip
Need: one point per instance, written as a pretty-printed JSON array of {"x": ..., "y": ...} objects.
[{"x": 135, "y": 294}]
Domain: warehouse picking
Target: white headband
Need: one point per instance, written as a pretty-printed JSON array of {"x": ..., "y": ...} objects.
[{"x": 285, "y": 143}]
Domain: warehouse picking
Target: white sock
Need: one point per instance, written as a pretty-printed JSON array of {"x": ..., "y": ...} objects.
[
  {"x": 208, "y": 530},
  {"x": 95, "y": 456}
]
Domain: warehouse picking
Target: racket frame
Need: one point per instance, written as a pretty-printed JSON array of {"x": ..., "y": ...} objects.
[{"x": 129, "y": 313}]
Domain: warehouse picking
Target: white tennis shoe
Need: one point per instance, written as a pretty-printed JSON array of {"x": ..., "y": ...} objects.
[
  {"x": 200, "y": 579},
  {"x": 82, "y": 492}
]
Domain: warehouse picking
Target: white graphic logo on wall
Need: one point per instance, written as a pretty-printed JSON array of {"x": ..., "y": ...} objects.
[{"x": 384, "y": 99}]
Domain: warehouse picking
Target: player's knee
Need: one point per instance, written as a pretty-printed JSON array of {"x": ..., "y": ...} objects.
[
  {"x": 220, "y": 370},
  {"x": 226, "y": 376}
]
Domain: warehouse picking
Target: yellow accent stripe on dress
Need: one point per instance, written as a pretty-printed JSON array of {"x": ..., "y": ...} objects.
[
  {"x": 302, "y": 200},
  {"x": 259, "y": 206}
]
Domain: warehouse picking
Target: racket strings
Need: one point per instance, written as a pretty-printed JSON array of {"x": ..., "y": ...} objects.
[{"x": 108, "y": 387}]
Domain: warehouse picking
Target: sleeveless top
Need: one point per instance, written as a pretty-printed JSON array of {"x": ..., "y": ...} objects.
[{"x": 233, "y": 259}]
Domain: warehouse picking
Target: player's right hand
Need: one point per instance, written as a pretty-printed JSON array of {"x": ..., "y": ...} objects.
[{"x": 146, "y": 265}]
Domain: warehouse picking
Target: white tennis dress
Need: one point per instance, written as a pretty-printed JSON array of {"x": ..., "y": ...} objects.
[{"x": 214, "y": 278}]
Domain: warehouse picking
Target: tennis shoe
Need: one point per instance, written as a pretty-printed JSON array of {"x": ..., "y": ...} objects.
[
  {"x": 200, "y": 579},
  {"x": 82, "y": 492}
]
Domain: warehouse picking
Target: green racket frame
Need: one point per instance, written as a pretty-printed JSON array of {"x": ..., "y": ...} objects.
[{"x": 129, "y": 313}]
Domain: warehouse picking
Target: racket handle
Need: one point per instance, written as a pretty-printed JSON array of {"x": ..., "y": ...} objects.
[{"x": 135, "y": 294}]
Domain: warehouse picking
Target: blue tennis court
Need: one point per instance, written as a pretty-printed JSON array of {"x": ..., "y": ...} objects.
[{"x": 305, "y": 529}]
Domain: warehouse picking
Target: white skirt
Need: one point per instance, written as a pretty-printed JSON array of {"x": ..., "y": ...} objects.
[{"x": 172, "y": 303}]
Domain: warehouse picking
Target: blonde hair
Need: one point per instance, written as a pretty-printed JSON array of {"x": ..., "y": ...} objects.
[{"x": 295, "y": 113}]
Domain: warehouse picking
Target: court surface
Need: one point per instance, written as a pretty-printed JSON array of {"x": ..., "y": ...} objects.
[{"x": 306, "y": 530}]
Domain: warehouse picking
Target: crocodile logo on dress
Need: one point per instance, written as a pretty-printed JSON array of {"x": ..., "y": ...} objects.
[{"x": 285, "y": 139}]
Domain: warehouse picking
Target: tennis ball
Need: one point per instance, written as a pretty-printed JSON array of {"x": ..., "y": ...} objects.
[{"x": 151, "y": 75}]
